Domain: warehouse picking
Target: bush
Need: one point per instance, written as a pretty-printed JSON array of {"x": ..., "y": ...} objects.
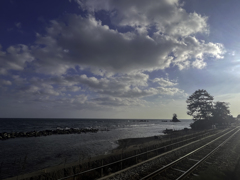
[{"x": 201, "y": 125}]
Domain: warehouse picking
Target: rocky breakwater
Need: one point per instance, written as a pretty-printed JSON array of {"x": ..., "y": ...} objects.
[{"x": 9, "y": 135}]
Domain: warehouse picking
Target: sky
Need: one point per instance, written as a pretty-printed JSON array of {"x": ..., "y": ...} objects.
[{"x": 116, "y": 59}]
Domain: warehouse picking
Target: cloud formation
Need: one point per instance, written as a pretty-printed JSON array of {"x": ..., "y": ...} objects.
[
  {"x": 164, "y": 82},
  {"x": 162, "y": 34},
  {"x": 80, "y": 61},
  {"x": 88, "y": 43},
  {"x": 15, "y": 58},
  {"x": 167, "y": 16}
]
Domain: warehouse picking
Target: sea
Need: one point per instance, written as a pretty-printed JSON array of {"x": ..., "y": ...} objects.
[{"x": 24, "y": 155}]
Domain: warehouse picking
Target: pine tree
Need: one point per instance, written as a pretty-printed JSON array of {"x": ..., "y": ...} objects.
[
  {"x": 200, "y": 105},
  {"x": 221, "y": 112}
]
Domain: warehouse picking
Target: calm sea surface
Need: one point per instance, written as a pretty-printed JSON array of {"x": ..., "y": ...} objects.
[{"x": 46, "y": 151}]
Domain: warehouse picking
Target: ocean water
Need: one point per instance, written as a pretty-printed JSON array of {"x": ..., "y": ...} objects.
[{"x": 37, "y": 153}]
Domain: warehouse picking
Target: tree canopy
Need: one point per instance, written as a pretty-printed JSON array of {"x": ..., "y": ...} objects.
[
  {"x": 238, "y": 117},
  {"x": 221, "y": 112},
  {"x": 200, "y": 105}
]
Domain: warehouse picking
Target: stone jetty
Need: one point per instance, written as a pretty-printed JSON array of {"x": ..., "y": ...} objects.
[{"x": 9, "y": 135}]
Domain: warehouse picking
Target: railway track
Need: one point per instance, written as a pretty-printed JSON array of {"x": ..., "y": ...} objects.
[
  {"x": 185, "y": 166},
  {"x": 164, "y": 147},
  {"x": 169, "y": 166}
]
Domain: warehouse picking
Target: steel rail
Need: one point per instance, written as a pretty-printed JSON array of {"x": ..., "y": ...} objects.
[
  {"x": 190, "y": 170},
  {"x": 140, "y": 154},
  {"x": 164, "y": 168},
  {"x": 159, "y": 156}
]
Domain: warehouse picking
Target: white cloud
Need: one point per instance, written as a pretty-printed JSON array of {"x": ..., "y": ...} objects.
[
  {"x": 199, "y": 64},
  {"x": 18, "y": 25},
  {"x": 15, "y": 58},
  {"x": 5, "y": 82},
  {"x": 96, "y": 46},
  {"x": 41, "y": 89},
  {"x": 232, "y": 53},
  {"x": 116, "y": 101},
  {"x": 193, "y": 49},
  {"x": 171, "y": 91},
  {"x": 71, "y": 88},
  {"x": 89, "y": 92},
  {"x": 164, "y": 82},
  {"x": 87, "y": 43},
  {"x": 81, "y": 63},
  {"x": 167, "y": 15},
  {"x": 90, "y": 44},
  {"x": 126, "y": 85},
  {"x": 79, "y": 99},
  {"x": 3, "y": 71}
]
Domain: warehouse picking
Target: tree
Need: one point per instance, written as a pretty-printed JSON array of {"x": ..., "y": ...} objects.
[
  {"x": 231, "y": 119},
  {"x": 221, "y": 112},
  {"x": 238, "y": 117},
  {"x": 200, "y": 105}
]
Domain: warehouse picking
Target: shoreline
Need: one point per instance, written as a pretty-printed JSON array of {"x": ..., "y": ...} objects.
[
  {"x": 142, "y": 142},
  {"x": 126, "y": 145}
]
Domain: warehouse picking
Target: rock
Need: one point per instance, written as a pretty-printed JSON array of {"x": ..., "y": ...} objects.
[{"x": 34, "y": 133}]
